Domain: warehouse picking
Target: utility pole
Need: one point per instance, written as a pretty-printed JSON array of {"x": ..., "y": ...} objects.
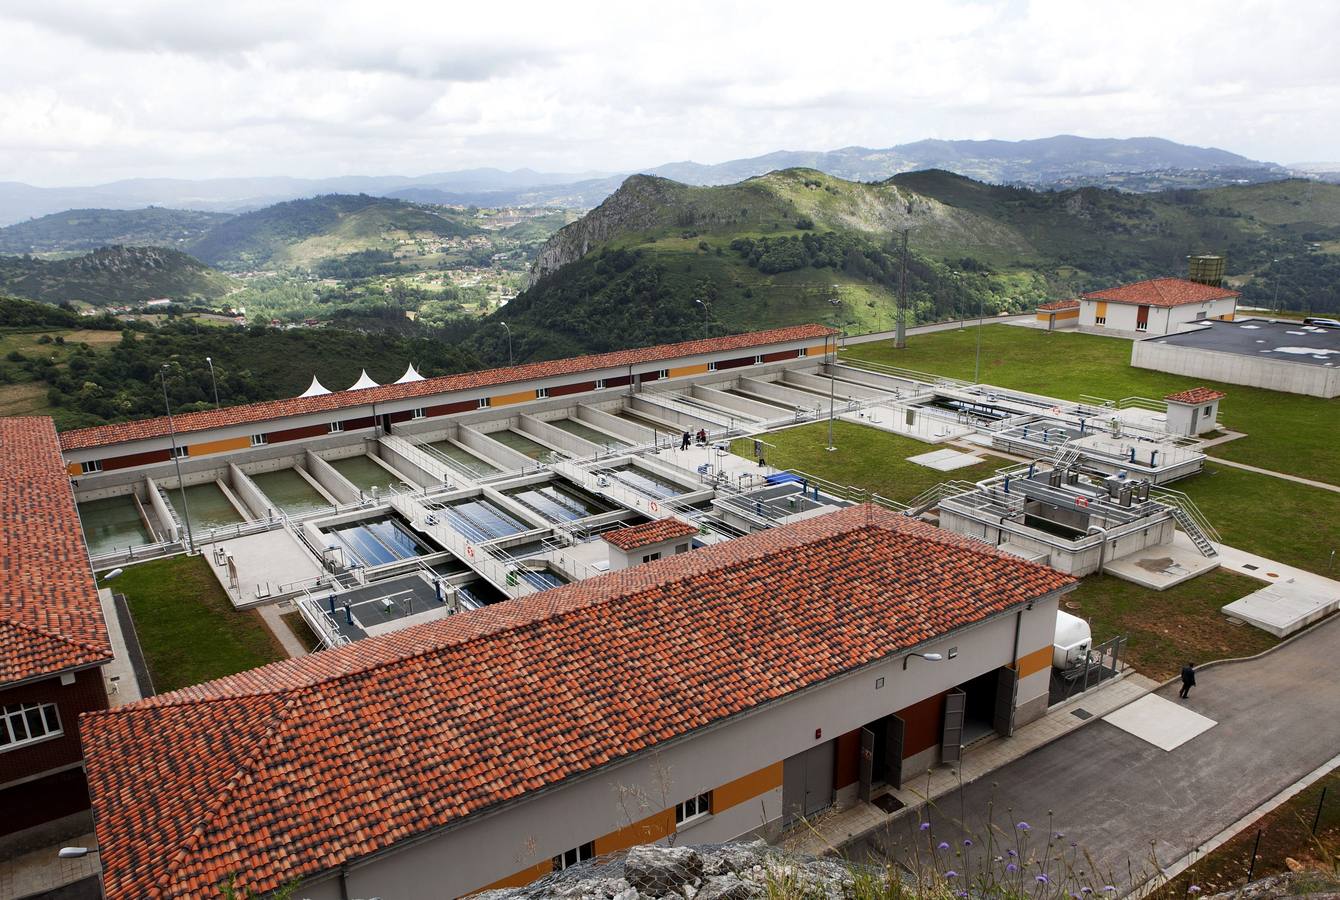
[
  {"x": 181, "y": 485},
  {"x": 832, "y": 365},
  {"x": 981, "y": 314},
  {"x": 900, "y": 340},
  {"x": 703, "y": 304},
  {"x": 509, "y": 342}
]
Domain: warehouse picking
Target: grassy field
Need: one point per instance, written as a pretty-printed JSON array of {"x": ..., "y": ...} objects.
[
  {"x": 1285, "y": 432},
  {"x": 1167, "y": 628},
  {"x": 302, "y": 631},
  {"x": 29, "y": 398},
  {"x": 865, "y": 457},
  {"x": 187, "y": 627}
]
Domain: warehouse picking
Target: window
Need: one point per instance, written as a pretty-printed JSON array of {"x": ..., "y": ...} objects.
[
  {"x": 1100, "y": 320},
  {"x": 180, "y": 452},
  {"x": 418, "y": 413},
  {"x": 693, "y": 808},
  {"x": 712, "y": 366},
  {"x": 570, "y": 858},
  {"x": 1209, "y": 410},
  {"x": 1142, "y": 326},
  {"x": 600, "y": 384},
  {"x": 541, "y": 393},
  {"x": 93, "y": 465},
  {"x": 336, "y": 427},
  {"x": 681, "y": 548},
  {"x": 651, "y": 557},
  {"x": 484, "y": 403},
  {"x": 27, "y": 723},
  {"x": 260, "y": 440},
  {"x": 663, "y": 373},
  {"x": 800, "y": 354},
  {"x": 758, "y": 360}
]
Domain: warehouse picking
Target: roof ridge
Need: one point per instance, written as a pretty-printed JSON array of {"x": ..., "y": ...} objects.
[
  {"x": 223, "y": 796},
  {"x": 58, "y": 636}
]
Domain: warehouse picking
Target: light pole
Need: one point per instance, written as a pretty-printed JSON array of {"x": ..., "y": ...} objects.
[
  {"x": 509, "y": 342},
  {"x": 703, "y": 304},
  {"x": 181, "y": 485},
  {"x": 1275, "y": 303},
  {"x": 832, "y": 364},
  {"x": 977, "y": 366},
  {"x": 933, "y": 657},
  {"x": 213, "y": 381}
]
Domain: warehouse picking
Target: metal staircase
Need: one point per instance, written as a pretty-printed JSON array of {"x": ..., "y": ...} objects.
[
  {"x": 1188, "y": 525},
  {"x": 1190, "y": 519}
]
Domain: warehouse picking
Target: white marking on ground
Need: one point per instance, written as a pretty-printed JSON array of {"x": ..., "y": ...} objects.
[
  {"x": 1305, "y": 351},
  {"x": 945, "y": 460},
  {"x": 1164, "y": 723}
]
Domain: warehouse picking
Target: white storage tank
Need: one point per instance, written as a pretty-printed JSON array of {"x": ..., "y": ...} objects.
[{"x": 1073, "y": 640}]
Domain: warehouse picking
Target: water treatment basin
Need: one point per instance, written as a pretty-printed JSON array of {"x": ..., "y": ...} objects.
[
  {"x": 112, "y": 523},
  {"x": 288, "y": 491}
]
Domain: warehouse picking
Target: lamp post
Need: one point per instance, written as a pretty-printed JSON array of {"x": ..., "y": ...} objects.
[
  {"x": 509, "y": 342},
  {"x": 1275, "y": 303},
  {"x": 932, "y": 657},
  {"x": 75, "y": 852},
  {"x": 181, "y": 485},
  {"x": 213, "y": 380},
  {"x": 977, "y": 365},
  {"x": 832, "y": 364},
  {"x": 703, "y": 304}
]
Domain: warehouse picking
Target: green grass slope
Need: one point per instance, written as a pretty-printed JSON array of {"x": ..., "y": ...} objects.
[
  {"x": 113, "y": 275},
  {"x": 300, "y": 233}
]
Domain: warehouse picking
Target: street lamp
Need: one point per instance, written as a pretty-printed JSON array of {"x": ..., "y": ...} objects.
[
  {"x": 1275, "y": 304},
  {"x": 932, "y": 657},
  {"x": 176, "y": 459},
  {"x": 703, "y": 304},
  {"x": 832, "y": 376},
  {"x": 509, "y": 342},
  {"x": 75, "y": 852},
  {"x": 981, "y": 314},
  {"x": 213, "y": 380}
]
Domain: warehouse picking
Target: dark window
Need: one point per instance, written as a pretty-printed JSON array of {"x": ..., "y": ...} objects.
[
  {"x": 569, "y": 858},
  {"x": 693, "y": 808}
]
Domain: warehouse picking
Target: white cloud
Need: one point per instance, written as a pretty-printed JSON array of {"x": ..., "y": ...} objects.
[{"x": 103, "y": 90}]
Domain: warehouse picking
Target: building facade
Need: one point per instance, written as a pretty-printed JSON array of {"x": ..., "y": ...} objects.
[
  {"x": 52, "y": 630},
  {"x": 1158, "y": 306},
  {"x": 727, "y": 691}
]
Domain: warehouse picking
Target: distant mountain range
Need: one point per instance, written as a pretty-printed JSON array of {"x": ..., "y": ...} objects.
[{"x": 1063, "y": 160}]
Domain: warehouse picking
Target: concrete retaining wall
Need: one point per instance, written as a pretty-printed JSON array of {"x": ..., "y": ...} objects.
[
  {"x": 331, "y": 481},
  {"x": 598, "y": 418},
  {"x": 556, "y": 437},
  {"x": 246, "y": 491},
  {"x": 167, "y": 521},
  {"x": 1234, "y": 368}
]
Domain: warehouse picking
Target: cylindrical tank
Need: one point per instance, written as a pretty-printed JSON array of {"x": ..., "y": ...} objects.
[{"x": 1073, "y": 640}]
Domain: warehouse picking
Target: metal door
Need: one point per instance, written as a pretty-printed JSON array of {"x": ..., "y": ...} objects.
[
  {"x": 951, "y": 739},
  {"x": 793, "y": 788},
  {"x": 895, "y": 731},
  {"x": 819, "y": 777},
  {"x": 1195, "y": 417},
  {"x": 1007, "y": 694},
  {"x": 867, "y": 764}
]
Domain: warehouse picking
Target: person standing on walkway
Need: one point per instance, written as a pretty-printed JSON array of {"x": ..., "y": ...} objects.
[
  {"x": 684, "y": 441},
  {"x": 1188, "y": 679}
]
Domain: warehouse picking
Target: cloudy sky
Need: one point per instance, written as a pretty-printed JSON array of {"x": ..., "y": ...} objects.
[{"x": 96, "y": 91}]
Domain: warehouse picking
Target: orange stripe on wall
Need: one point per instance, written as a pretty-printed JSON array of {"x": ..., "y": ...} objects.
[
  {"x": 209, "y": 447},
  {"x": 688, "y": 370},
  {"x": 522, "y": 878},
  {"x": 1068, "y": 314},
  {"x": 747, "y": 787},
  {"x": 650, "y": 829},
  {"x": 1034, "y": 662},
  {"x": 518, "y": 397},
  {"x": 74, "y": 469}
]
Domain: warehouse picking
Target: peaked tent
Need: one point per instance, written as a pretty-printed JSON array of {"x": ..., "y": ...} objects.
[
  {"x": 411, "y": 374},
  {"x": 315, "y": 390},
  {"x": 363, "y": 382}
]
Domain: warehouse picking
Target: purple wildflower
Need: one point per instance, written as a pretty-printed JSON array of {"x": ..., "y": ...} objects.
[
  {"x": 967, "y": 842},
  {"x": 925, "y": 826},
  {"x": 1042, "y": 879},
  {"x": 1011, "y": 867},
  {"x": 1023, "y": 826},
  {"x": 943, "y": 845},
  {"x": 1012, "y": 852},
  {"x": 1086, "y": 890},
  {"x": 1194, "y": 889},
  {"x": 951, "y": 874},
  {"x": 1109, "y": 889}
]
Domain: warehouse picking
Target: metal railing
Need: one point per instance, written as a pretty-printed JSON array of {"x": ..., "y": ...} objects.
[
  {"x": 927, "y": 378},
  {"x": 1171, "y": 497}
]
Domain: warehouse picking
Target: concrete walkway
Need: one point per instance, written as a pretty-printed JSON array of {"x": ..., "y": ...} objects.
[
  {"x": 954, "y": 325},
  {"x": 1295, "y": 478},
  {"x": 832, "y": 830},
  {"x": 1125, "y": 800},
  {"x": 270, "y": 614}
]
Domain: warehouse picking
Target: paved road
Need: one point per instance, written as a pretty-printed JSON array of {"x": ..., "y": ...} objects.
[
  {"x": 1120, "y": 797},
  {"x": 850, "y": 339}
]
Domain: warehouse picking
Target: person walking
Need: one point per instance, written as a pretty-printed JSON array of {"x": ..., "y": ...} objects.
[
  {"x": 684, "y": 441},
  {"x": 1188, "y": 679}
]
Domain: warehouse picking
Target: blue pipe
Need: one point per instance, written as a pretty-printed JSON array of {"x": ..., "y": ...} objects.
[{"x": 1007, "y": 484}]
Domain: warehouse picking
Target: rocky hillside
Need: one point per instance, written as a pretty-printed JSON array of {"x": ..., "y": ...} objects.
[{"x": 113, "y": 275}]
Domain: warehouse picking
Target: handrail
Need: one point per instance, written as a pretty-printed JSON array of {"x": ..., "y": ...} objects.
[
  {"x": 928, "y": 378},
  {"x": 1172, "y": 497}
]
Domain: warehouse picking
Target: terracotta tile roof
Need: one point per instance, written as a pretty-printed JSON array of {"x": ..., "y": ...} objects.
[
  {"x": 657, "y": 532},
  {"x": 101, "y": 435},
  {"x": 50, "y": 619},
  {"x": 1059, "y": 304},
  {"x": 1162, "y": 292},
  {"x": 292, "y": 769},
  {"x": 1196, "y": 395}
]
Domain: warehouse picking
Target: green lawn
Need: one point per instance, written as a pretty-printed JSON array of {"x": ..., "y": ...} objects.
[
  {"x": 1282, "y": 520},
  {"x": 1285, "y": 432},
  {"x": 865, "y": 458},
  {"x": 1167, "y": 628},
  {"x": 187, "y": 627},
  {"x": 302, "y": 631}
]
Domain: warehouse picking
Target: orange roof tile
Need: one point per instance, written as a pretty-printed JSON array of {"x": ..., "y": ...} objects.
[
  {"x": 1165, "y": 292},
  {"x": 292, "y": 769},
  {"x": 657, "y": 532},
  {"x": 1196, "y": 396},
  {"x": 251, "y": 413},
  {"x": 50, "y": 619},
  {"x": 1059, "y": 304}
]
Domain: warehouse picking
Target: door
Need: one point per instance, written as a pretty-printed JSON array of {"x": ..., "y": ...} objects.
[
  {"x": 1007, "y": 695},
  {"x": 895, "y": 730},
  {"x": 867, "y": 765},
  {"x": 951, "y": 739},
  {"x": 807, "y": 782},
  {"x": 1195, "y": 417},
  {"x": 1142, "y": 318}
]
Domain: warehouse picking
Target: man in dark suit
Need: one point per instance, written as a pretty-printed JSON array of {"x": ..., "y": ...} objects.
[{"x": 1188, "y": 679}]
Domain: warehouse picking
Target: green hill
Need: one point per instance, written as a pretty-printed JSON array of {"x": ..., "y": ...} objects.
[
  {"x": 88, "y": 229},
  {"x": 797, "y": 245},
  {"x": 303, "y": 233},
  {"x": 113, "y": 275}
]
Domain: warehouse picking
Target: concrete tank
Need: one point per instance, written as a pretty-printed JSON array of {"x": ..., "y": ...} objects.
[{"x": 1073, "y": 640}]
